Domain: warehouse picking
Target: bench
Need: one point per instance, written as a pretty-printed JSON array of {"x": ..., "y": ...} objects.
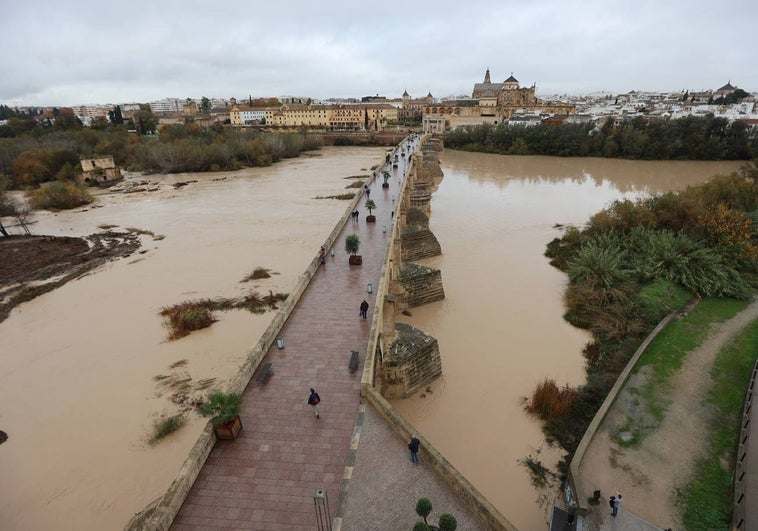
[
  {"x": 353, "y": 363},
  {"x": 264, "y": 373}
]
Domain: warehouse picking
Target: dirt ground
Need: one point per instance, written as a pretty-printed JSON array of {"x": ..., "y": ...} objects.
[
  {"x": 650, "y": 474},
  {"x": 33, "y": 265}
]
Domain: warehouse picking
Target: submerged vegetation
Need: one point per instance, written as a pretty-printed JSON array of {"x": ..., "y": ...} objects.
[
  {"x": 188, "y": 316},
  {"x": 166, "y": 425},
  {"x": 633, "y": 263},
  {"x": 689, "y": 138}
]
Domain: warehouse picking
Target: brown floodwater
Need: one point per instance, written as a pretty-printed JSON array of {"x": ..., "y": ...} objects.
[
  {"x": 77, "y": 365},
  {"x": 500, "y": 327}
]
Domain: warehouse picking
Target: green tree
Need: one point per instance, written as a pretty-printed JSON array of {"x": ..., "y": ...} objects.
[
  {"x": 447, "y": 522},
  {"x": 423, "y": 508},
  {"x": 205, "y": 104}
]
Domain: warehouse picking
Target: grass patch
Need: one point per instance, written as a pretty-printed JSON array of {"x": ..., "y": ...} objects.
[
  {"x": 342, "y": 197},
  {"x": 549, "y": 401},
  {"x": 188, "y": 316},
  {"x": 707, "y": 501},
  {"x": 258, "y": 273},
  {"x": 663, "y": 359},
  {"x": 106, "y": 226},
  {"x": 357, "y": 184},
  {"x": 358, "y": 177},
  {"x": 166, "y": 425}
]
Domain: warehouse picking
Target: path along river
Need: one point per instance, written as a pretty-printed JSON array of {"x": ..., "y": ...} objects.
[
  {"x": 500, "y": 327},
  {"x": 77, "y": 394}
]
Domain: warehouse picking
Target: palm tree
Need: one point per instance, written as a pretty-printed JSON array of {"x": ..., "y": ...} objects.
[
  {"x": 352, "y": 244},
  {"x": 370, "y": 205}
]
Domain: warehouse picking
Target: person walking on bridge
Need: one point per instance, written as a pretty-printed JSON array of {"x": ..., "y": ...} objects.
[
  {"x": 313, "y": 401},
  {"x": 363, "y": 309}
]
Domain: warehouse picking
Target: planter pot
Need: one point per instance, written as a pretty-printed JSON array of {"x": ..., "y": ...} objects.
[
  {"x": 230, "y": 430},
  {"x": 370, "y": 219},
  {"x": 385, "y": 185},
  {"x": 355, "y": 259}
]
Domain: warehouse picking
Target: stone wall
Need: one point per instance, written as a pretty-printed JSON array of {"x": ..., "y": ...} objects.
[
  {"x": 410, "y": 362},
  {"x": 421, "y": 285},
  {"x": 417, "y": 243}
]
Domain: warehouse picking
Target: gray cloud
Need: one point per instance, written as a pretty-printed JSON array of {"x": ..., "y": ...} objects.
[{"x": 82, "y": 51}]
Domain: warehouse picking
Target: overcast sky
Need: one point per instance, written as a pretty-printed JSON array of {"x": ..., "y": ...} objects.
[{"x": 72, "y": 52}]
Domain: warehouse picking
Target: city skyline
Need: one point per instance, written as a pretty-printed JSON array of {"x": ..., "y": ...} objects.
[{"x": 84, "y": 52}]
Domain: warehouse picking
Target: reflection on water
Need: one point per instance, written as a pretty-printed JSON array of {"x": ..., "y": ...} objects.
[
  {"x": 77, "y": 396},
  {"x": 500, "y": 328}
]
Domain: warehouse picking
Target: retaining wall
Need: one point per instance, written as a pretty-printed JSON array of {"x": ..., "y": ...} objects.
[{"x": 575, "y": 479}]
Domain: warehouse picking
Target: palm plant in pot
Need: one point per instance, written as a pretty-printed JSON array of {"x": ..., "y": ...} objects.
[
  {"x": 352, "y": 244},
  {"x": 224, "y": 408},
  {"x": 370, "y": 205},
  {"x": 386, "y": 177}
]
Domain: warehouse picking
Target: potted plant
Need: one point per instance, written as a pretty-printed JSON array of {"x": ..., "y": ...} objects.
[
  {"x": 224, "y": 408},
  {"x": 352, "y": 244},
  {"x": 386, "y": 177},
  {"x": 370, "y": 205}
]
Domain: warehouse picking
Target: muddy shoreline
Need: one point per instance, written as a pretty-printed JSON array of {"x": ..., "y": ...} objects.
[{"x": 33, "y": 265}]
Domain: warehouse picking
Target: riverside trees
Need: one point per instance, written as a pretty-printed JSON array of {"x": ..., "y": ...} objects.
[
  {"x": 690, "y": 138},
  {"x": 631, "y": 264},
  {"x": 33, "y": 155}
]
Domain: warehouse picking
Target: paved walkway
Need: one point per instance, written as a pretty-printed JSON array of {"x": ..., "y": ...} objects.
[{"x": 268, "y": 477}]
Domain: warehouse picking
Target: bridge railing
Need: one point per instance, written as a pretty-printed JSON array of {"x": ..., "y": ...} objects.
[{"x": 740, "y": 465}]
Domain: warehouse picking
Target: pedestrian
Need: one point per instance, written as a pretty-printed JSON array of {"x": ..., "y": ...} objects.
[
  {"x": 612, "y": 504},
  {"x": 364, "y": 309},
  {"x": 322, "y": 255},
  {"x": 413, "y": 447},
  {"x": 617, "y": 503},
  {"x": 313, "y": 401}
]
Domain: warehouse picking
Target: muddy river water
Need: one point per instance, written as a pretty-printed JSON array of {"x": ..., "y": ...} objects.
[
  {"x": 500, "y": 327},
  {"x": 77, "y": 391}
]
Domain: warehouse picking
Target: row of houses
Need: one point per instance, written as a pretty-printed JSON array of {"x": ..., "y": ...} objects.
[{"x": 353, "y": 117}]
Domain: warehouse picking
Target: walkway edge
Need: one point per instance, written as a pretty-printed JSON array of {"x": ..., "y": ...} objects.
[{"x": 486, "y": 512}]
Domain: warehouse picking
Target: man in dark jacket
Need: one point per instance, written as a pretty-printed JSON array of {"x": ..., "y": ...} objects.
[
  {"x": 413, "y": 447},
  {"x": 364, "y": 309}
]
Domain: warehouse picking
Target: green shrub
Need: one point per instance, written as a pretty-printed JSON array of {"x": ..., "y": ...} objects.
[
  {"x": 223, "y": 407},
  {"x": 60, "y": 195},
  {"x": 164, "y": 426},
  {"x": 423, "y": 508},
  {"x": 352, "y": 244},
  {"x": 447, "y": 522}
]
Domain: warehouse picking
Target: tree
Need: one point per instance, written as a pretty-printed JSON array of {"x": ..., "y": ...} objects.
[
  {"x": 205, "y": 104},
  {"x": 352, "y": 244},
  {"x": 370, "y": 205},
  {"x": 423, "y": 508},
  {"x": 447, "y": 522},
  {"x": 115, "y": 116}
]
